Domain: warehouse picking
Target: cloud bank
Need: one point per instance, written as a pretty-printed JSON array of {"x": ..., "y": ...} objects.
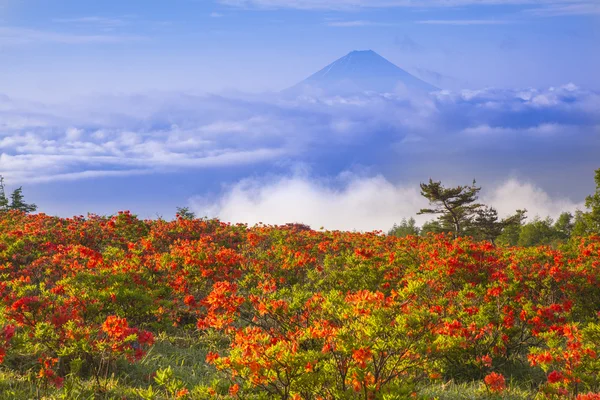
[
  {"x": 365, "y": 154},
  {"x": 352, "y": 202}
]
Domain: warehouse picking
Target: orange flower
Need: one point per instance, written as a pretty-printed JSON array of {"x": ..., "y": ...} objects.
[
  {"x": 234, "y": 389},
  {"x": 555, "y": 376},
  {"x": 361, "y": 356},
  {"x": 495, "y": 382},
  {"x": 212, "y": 357}
]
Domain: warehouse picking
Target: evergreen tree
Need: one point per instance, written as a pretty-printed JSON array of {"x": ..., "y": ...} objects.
[
  {"x": 3, "y": 198},
  {"x": 456, "y": 206},
  {"x": 185, "y": 213},
  {"x": 511, "y": 232},
  {"x": 17, "y": 202},
  {"x": 488, "y": 226},
  {"x": 406, "y": 228}
]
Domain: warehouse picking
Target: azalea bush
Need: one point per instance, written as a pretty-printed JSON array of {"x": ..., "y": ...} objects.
[{"x": 291, "y": 313}]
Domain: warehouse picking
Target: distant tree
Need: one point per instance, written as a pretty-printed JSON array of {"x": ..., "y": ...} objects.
[
  {"x": 432, "y": 227},
  {"x": 3, "y": 198},
  {"x": 185, "y": 213},
  {"x": 406, "y": 228},
  {"x": 17, "y": 201},
  {"x": 538, "y": 232},
  {"x": 564, "y": 225},
  {"x": 510, "y": 234},
  {"x": 588, "y": 223},
  {"x": 581, "y": 224},
  {"x": 456, "y": 206},
  {"x": 488, "y": 226}
]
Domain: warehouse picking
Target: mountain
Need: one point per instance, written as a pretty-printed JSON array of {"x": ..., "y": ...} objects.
[{"x": 362, "y": 71}]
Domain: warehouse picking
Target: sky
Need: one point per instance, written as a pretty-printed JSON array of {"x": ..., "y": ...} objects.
[
  {"x": 60, "y": 48},
  {"x": 148, "y": 105}
]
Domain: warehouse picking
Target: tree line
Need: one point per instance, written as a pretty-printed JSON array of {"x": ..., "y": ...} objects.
[{"x": 459, "y": 214}]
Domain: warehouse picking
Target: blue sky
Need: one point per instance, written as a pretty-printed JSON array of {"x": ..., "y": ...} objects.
[
  {"x": 63, "y": 47},
  {"x": 149, "y": 105}
]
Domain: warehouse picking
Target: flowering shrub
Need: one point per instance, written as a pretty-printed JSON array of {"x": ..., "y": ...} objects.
[{"x": 292, "y": 313}]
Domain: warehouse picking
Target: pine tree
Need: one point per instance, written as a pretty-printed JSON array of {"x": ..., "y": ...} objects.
[
  {"x": 488, "y": 226},
  {"x": 456, "y": 206},
  {"x": 185, "y": 213},
  {"x": 17, "y": 202},
  {"x": 3, "y": 198}
]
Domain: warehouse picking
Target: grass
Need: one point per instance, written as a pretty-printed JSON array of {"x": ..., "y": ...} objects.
[
  {"x": 471, "y": 391},
  {"x": 184, "y": 357}
]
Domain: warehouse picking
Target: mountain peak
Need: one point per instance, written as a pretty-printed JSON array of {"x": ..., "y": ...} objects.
[{"x": 364, "y": 70}]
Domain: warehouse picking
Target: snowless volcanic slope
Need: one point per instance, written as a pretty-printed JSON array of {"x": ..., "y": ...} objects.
[{"x": 361, "y": 71}]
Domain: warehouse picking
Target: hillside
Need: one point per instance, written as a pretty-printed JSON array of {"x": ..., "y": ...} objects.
[{"x": 202, "y": 309}]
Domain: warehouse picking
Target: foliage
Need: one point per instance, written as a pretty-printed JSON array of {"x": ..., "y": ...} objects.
[
  {"x": 488, "y": 226},
  {"x": 406, "y": 228},
  {"x": 587, "y": 223}
]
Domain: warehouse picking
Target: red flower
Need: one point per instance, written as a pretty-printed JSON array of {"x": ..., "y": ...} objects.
[
  {"x": 212, "y": 357},
  {"x": 189, "y": 300},
  {"x": 234, "y": 389},
  {"x": 555, "y": 376},
  {"x": 589, "y": 396},
  {"x": 361, "y": 356},
  {"x": 495, "y": 382},
  {"x": 309, "y": 367},
  {"x": 486, "y": 360},
  {"x": 146, "y": 337},
  {"x": 8, "y": 332},
  {"x": 115, "y": 327}
]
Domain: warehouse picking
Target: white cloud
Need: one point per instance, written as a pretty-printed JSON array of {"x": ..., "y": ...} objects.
[
  {"x": 351, "y": 202},
  {"x": 169, "y": 133},
  {"x": 354, "y": 24},
  {"x": 464, "y": 22},
  {"x": 557, "y": 10},
  {"x": 93, "y": 20},
  {"x": 538, "y": 130},
  {"x": 357, "y": 203},
  {"x": 512, "y": 195},
  {"x": 216, "y": 15},
  {"x": 73, "y": 134},
  {"x": 11, "y": 36}
]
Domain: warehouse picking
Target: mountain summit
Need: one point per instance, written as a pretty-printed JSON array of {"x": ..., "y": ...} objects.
[{"x": 361, "y": 71}]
